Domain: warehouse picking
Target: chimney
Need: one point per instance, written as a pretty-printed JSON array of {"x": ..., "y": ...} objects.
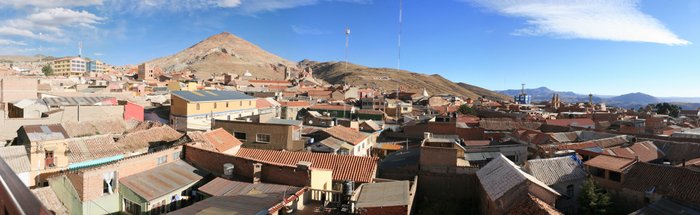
[
  {"x": 636, "y": 158},
  {"x": 683, "y": 162},
  {"x": 257, "y": 173},
  {"x": 304, "y": 165}
]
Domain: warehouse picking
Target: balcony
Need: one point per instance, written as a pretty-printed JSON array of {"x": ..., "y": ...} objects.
[{"x": 15, "y": 198}]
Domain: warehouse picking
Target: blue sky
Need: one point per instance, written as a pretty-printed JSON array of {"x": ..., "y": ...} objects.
[{"x": 597, "y": 46}]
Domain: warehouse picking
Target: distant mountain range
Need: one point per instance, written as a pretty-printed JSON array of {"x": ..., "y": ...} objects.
[{"x": 630, "y": 100}]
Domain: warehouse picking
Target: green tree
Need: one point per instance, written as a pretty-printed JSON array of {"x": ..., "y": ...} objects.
[
  {"x": 464, "y": 109},
  {"x": 668, "y": 109},
  {"x": 593, "y": 200},
  {"x": 47, "y": 70}
]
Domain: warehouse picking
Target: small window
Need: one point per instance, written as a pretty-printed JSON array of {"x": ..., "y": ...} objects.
[
  {"x": 162, "y": 159},
  {"x": 226, "y": 104},
  {"x": 214, "y": 105},
  {"x": 570, "y": 191},
  {"x": 262, "y": 138},
  {"x": 240, "y": 135},
  {"x": 597, "y": 172},
  {"x": 197, "y": 106},
  {"x": 614, "y": 176},
  {"x": 240, "y": 103},
  {"x": 176, "y": 155},
  {"x": 250, "y": 103}
]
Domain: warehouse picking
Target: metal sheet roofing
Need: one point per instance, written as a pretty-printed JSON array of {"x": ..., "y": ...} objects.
[
  {"x": 162, "y": 180},
  {"x": 225, "y": 187},
  {"x": 16, "y": 157},
  {"x": 75, "y": 101},
  {"x": 384, "y": 194},
  {"x": 501, "y": 175},
  {"x": 555, "y": 170},
  {"x": 210, "y": 95}
]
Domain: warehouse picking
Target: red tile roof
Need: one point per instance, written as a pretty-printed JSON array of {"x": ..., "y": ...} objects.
[
  {"x": 295, "y": 104},
  {"x": 585, "y": 122},
  {"x": 270, "y": 82},
  {"x": 319, "y": 93},
  {"x": 331, "y": 107},
  {"x": 610, "y": 162},
  {"x": 672, "y": 182},
  {"x": 262, "y": 103},
  {"x": 222, "y": 140},
  {"x": 646, "y": 151},
  {"x": 346, "y": 134},
  {"x": 533, "y": 206},
  {"x": 344, "y": 167}
]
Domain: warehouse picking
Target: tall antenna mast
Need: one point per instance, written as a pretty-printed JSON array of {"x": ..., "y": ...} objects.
[
  {"x": 347, "y": 43},
  {"x": 80, "y": 49},
  {"x": 398, "y": 61}
]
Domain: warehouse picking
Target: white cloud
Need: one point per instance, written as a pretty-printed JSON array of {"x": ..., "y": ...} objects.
[
  {"x": 229, "y": 3},
  {"x": 4, "y": 42},
  {"x": 306, "y": 30},
  {"x": 98, "y": 54},
  {"x": 49, "y": 3},
  {"x": 49, "y": 24},
  {"x": 619, "y": 20}
]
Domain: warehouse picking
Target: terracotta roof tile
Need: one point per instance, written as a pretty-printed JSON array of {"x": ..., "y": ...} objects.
[
  {"x": 221, "y": 140},
  {"x": 346, "y": 134},
  {"x": 295, "y": 104},
  {"x": 533, "y": 206},
  {"x": 344, "y": 167},
  {"x": 674, "y": 182},
  {"x": 610, "y": 162}
]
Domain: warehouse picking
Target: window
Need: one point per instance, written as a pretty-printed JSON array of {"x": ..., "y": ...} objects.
[
  {"x": 176, "y": 156},
  {"x": 226, "y": 104},
  {"x": 240, "y": 103},
  {"x": 131, "y": 207},
  {"x": 49, "y": 159},
  {"x": 597, "y": 172},
  {"x": 197, "y": 106},
  {"x": 262, "y": 138},
  {"x": 614, "y": 176},
  {"x": 570, "y": 191},
  {"x": 108, "y": 183},
  {"x": 214, "y": 105},
  {"x": 250, "y": 103},
  {"x": 162, "y": 160},
  {"x": 240, "y": 135}
]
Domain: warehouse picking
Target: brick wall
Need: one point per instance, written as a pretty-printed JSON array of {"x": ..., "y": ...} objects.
[
  {"x": 214, "y": 163},
  {"x": 392, "y": 210},
  {"x": 88, "y": 182}
]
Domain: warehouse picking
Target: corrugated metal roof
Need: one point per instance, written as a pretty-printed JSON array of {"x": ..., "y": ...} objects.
[
  {"x": 225, "y": 187},
  {"x": 210, "y": 95},
  {"x": 45, "y": 132},
  {"x": 501, "y": 175},
  {"x": 74, "y": 101},
  {"x": 233, "y": 205},
  {"x": 384, "y": 194},
  {"x": 555, "y": 170},
  {"x": 162, "y": 180},
  {"x": 16, "y": 157}
]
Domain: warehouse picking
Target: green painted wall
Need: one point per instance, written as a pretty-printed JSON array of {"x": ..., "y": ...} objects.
[
  {"x": 66, "y": 194},
  {"x": 126, "y": 193}
]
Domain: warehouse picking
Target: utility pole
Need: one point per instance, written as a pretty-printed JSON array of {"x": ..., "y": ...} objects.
[
  {"x": 347, "y": 43},
  {"x": 398, "y": 62}
]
